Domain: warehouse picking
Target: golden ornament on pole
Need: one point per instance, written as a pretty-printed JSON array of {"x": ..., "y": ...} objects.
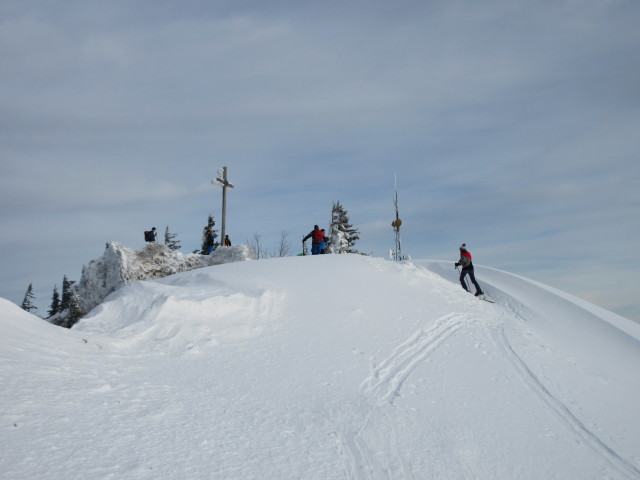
[{"x": 396, "y": 223}]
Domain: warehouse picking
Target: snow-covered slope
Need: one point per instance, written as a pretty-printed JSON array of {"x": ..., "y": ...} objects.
[{"x": 326, "y": 367}]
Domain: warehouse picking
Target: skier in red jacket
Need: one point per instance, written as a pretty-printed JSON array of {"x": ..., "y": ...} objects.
[
  {"x": 467, "y": 269},
  {"x": 317, "y": 237}
]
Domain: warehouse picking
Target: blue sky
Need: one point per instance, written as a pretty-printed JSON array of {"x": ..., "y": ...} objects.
[{"x": 511, "y": 126}]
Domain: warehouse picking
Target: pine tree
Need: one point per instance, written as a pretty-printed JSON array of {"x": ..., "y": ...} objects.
[
  {"x": 342, "y": 236},
  {"x": 209, "y": 228},
  {"x": 55, "y": 302},
  {"x": 76, "y": 312},
  {"x": 170, "y": 240},
  {"x": 27, "y": 303},
  {"x": 66, "y": 294}
]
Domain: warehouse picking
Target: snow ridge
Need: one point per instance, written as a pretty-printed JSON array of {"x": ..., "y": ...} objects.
[{"x": 325, "y": 367}]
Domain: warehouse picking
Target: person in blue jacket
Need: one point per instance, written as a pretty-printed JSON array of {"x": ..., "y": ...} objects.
[
  {"x": 323, "y": 245},
  {"x": 211, "y": 239}
]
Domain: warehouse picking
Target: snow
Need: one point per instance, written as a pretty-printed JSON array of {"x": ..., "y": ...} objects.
[
  {"x": 120, "y": 265},
  {"x": 324, "y": 367}
]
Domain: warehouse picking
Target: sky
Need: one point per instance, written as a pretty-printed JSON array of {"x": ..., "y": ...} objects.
[{"x": 509, "y": 125}]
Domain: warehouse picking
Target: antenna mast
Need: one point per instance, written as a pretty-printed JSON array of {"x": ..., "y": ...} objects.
[{"x": 397, "y": 253}]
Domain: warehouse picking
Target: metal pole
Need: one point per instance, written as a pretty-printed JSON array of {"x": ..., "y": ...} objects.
[
  {"x": 224, "y": 206},
  {"x": 465, "y": 280},
  {"x": 224, "y": 183}
]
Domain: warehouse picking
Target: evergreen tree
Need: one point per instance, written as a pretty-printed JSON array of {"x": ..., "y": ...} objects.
[
  {"x": 55, "y": 302},
  {"x": 66, "y": 294},
  {"x": 170, "y": 240},
  {"x": 76, "y": 311},
  {"x": 342, "y": 234},
  {"x": 210, "y": 224},
  {"x": 29, "y": 297}
]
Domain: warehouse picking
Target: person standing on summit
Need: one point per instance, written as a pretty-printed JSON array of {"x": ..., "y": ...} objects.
[
  {"x": 467, "y": 269},
  {"x": 210, "y": 241},
  {"x": 317, "y": 237},
  {"x": 150, "y": 235}
]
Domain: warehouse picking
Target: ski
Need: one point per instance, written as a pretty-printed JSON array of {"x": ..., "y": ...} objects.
[
  {"x": 482, "y": 296},
  {"x": 485, "y": 298}
]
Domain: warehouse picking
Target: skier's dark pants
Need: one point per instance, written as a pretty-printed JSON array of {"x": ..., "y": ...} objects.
[
  {"x": 315, "y": 248},
  {"x": 472, "y": 277}
]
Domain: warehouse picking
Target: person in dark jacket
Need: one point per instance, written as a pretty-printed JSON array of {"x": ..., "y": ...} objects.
[
  {"x": 467, "y": 269},
  {"x": 151, "y": 235},
  {"x": 227, "y": 241},
  {"x": 317, "y": 237}
]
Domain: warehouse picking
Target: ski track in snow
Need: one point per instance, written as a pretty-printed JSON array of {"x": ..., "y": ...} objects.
[
  {"x": 556, "y": 406},
  {"x": 379, "y": 392},
  {"x": 387, "y": 378},
  {"x": 370, "y": 451}
]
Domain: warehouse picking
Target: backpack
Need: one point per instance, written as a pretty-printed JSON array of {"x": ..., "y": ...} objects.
[
  {"x": 318, "y": 236},
  {"x": 465, "y": 259},
  {"x": 148, "y": 236}
]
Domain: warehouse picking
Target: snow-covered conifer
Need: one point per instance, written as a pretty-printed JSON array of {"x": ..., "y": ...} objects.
[
  {"x": 76, "y": 312},
  {"x": 66, "y": 293},
  {"x": 55, "y": 302},
  {"x": 29, "y": 297},
  {"x": 170, "y": 240},
  {"x": 342, "y": 235}
]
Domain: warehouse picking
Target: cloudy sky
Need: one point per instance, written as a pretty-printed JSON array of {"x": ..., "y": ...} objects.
[{"x": 511, "y": 125}]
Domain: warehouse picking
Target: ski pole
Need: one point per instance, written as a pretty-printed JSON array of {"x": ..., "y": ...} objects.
[{"x": 465, "y": 279}]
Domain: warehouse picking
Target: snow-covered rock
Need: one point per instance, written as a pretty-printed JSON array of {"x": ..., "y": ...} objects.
[{"x": 121, "y": 265}]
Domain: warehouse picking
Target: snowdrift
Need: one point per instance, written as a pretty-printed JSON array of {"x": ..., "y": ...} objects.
[
  {"x": 326, "y": 367},
  {"x": 120, "y": 265}
]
